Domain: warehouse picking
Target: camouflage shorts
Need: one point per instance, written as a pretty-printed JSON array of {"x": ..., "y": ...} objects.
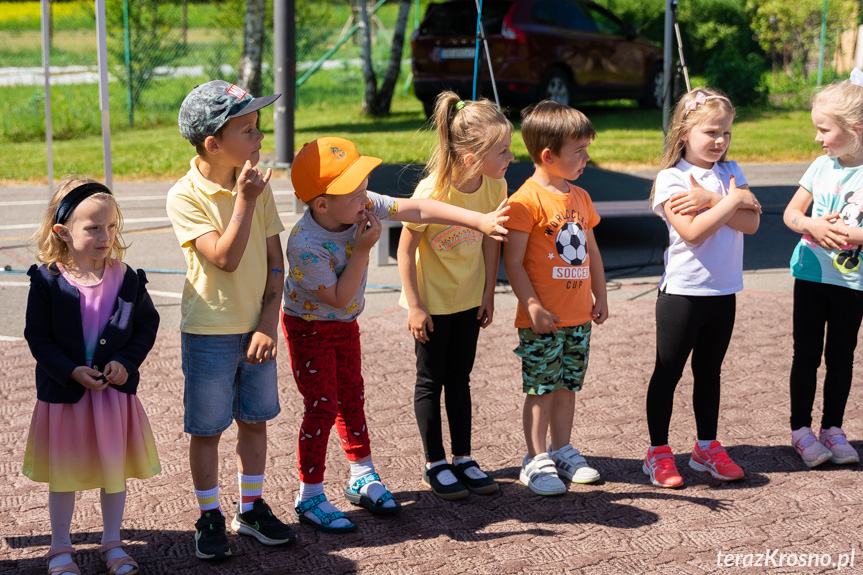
[{"x": 553, "y": 361}]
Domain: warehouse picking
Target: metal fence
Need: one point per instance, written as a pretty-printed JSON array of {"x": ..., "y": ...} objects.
[{"x": 159, "y": 49}]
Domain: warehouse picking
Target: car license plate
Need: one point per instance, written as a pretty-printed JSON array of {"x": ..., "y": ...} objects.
[{"x": 457, "y": 53}]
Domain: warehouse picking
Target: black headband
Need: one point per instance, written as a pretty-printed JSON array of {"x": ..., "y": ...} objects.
[{"x": 71, "y": 200}]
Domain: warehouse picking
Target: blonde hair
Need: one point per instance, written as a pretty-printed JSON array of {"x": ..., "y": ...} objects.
[
  {"x": 50, "y": 248},
  {"x": 463, "y": 127},
  {"x": 842, "y": 102},
  {"x": 693, "y": 108},
  {"x": 548, "y": 124}
]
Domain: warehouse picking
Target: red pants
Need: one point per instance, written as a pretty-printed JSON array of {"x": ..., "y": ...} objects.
[{"x": 326, "y": 363}]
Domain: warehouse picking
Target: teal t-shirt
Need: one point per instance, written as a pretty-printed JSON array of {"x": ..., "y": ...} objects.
[{"x": 833, "y": 188}]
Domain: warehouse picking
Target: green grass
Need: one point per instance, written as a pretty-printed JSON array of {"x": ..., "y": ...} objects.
[{"x": 627, "y": 137}]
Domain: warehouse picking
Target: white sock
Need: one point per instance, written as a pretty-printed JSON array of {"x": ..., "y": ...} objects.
[
  {"x": 113, "y": 505},
  {"x": 704, "y": 443},
  {"x": 360, "y": 469},
  {"x": 373, "y": 490},
  {"x": 61, "y": 506},
  {"x": 309, "y": 490},
  {"x": 208, "y": 499},
  {"x": 472, "y": 472},
  {"x": 446, "y": 476}
]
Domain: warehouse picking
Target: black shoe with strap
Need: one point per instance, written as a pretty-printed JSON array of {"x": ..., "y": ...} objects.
[
  {"x": 260, "y": 523},
  {"x": 450, "y": 492},
  {"x": 211, "y": 541}
]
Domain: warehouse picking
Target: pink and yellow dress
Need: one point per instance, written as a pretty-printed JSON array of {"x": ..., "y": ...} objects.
[{"x": 105, "y": 437}]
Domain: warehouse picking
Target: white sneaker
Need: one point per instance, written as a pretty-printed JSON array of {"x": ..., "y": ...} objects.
[
  {"x": 540, "y": 475},
  {"x": 842, "y": 452},
  {"x": 573, "y": 466},
  {"x": 811, "y": 451}
]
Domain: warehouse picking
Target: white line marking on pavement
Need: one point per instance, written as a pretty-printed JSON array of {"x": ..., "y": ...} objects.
[{"x": 170, "y": 294}]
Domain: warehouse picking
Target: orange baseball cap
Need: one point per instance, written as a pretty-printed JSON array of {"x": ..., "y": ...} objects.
[{"x": 329, "y": 165}]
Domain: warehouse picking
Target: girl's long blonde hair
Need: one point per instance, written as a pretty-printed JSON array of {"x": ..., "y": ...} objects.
[
  {"x": 694, "y": 107},
  {"x": 50, "y": 248},
  {"x": 472, "y": 126},
  {"x": 842, "y": 102}
]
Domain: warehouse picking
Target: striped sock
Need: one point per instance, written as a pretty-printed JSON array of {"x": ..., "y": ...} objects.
[
  {"x": 208, "y": 500},
  {"x": 251, "y": 487}
]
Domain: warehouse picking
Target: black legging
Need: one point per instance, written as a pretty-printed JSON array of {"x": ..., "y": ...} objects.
[
  {"x": 701, "y": 325},
  {"x": 444, "y": 363},
  {"x": 840, "y": 310}
]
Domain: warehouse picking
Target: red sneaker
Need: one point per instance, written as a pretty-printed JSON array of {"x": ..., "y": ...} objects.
[
  {"x": 660, "y": 466},
  {"x": 715, "y": 461}
]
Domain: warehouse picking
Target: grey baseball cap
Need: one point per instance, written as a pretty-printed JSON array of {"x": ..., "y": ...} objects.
[{"x": 210, "y": 105}]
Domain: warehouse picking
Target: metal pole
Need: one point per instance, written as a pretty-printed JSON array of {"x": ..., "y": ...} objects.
[
  {"x": 680, "y": 53},
  {"x": 476, "y": 51},
  {"x": 284, "y": 58},
  {"x": 46, "y": 66},
  {"x": 821, "y": 46},
  {"x": 666, "y": 66},
  {"x": 127, "y": 57},
  {"x": 104, "y": 104},
  {"x": 487, "y": 54}
]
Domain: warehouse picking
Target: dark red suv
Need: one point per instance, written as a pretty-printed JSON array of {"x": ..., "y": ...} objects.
[{"x": 563, "y": 50}]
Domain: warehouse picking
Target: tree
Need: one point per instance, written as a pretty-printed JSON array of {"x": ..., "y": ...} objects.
[
  {"x": 790, "y": 31},
  {"x": 249, "y": 75},
  {"x": 152, "y": 42},
  {"x": 377, "y": 102}
]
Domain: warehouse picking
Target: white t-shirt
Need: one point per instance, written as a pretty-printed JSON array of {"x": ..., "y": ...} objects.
[{"x": 715, "y": 266}]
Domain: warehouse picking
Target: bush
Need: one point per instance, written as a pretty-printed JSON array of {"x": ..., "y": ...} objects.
[
  {"x": 718, "y": 42},
  {"x": 739, "y": 76}
]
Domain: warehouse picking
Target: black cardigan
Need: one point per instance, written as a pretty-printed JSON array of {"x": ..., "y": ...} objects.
[{"x": 55, "y": 333}]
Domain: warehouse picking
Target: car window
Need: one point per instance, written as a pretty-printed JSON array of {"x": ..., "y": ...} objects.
[
  {"x": 544, "y": 13},
  {"x": 459, "y": 18},
  {"x": 605, "y": 22},
  {"x": 572, "y": 17},
  {"x": 561, "y": 15}
]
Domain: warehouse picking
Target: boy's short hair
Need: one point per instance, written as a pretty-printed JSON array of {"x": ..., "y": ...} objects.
[
  {"x": 331, "y": 166},
  {"x": 548, "y": 124},
  {"x": 209, "y": 106}
]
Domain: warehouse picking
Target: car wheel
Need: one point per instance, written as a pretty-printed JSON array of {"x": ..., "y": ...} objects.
[
  {"x": 557, "y": 87},
  {"x": 653, "y": 97}
]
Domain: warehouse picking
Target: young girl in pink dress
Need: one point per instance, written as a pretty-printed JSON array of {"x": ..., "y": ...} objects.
[{"x": 90, "y": 324}]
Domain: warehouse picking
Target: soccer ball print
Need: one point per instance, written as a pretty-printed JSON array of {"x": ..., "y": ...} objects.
[{"x": 571, "y": 244}]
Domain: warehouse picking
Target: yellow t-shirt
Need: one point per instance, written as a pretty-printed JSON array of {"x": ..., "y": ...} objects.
[
  {"x": 450, "y": 263},
  {"x": 216, "y": 302},
  {"x": 556, "y": 259}
]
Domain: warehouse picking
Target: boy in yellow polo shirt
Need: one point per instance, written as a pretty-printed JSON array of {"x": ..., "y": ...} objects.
[{"x": 226, "y": 221}]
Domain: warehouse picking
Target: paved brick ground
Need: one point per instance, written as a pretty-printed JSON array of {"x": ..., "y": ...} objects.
[{"x": 621, "y": 525}]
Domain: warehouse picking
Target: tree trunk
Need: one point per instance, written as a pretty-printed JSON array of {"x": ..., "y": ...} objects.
[
  {"x": 253, "y": 46},
  {"x": 377, "y": 103},
  {"x": 385, "y": 97},
  {"x": 371, "y": 91}
]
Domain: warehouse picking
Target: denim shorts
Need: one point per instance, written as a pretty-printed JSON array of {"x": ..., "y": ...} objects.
[
  {"x": 553, "y": 361},
  {"x": 221, "y": 386}
]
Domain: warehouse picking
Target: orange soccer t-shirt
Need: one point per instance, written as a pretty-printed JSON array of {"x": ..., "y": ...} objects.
[{"x": 555, "y": 259}]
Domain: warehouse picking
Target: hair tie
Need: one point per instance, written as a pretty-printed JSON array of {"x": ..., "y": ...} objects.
[
  {"x": 856, "y": 77},
  {"x": 71, "y": 200},
  {"x": 701, "y": 97},
  {"x": 460, "y": 104}
]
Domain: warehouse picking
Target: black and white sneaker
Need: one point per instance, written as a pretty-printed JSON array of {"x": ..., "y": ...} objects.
[
  {"x": 260, "y": 523},
  {"x": 211, "y": 541}
]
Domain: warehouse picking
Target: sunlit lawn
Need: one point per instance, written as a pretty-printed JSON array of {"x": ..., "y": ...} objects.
[{"x": 626, "y": 138}]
